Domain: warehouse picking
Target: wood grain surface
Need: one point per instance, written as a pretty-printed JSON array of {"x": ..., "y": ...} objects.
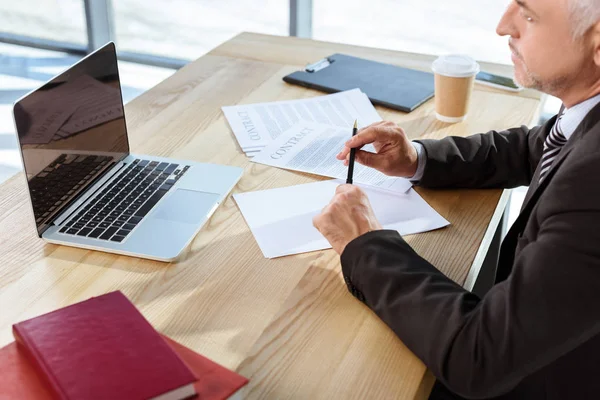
[{"x": 288, "y": 324}]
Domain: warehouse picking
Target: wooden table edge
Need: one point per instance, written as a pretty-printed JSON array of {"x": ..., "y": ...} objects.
[{"x": 487, "y": 240}]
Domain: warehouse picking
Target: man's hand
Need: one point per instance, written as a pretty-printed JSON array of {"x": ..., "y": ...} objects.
[
  {"x": 395, "y": 155},
  {"x": 346, "y": 217}
]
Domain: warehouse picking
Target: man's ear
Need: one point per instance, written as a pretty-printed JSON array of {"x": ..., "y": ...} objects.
[{"x": 595, "y": 31}]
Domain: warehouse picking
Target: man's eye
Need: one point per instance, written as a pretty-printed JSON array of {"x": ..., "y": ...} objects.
[{"x": 527, "y": 17}]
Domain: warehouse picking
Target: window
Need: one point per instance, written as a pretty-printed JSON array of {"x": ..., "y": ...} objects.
[
  {"x": 56, "y": 20},
  {"x": 187, "y": 29},
  {"x": 431, "y": 27}
]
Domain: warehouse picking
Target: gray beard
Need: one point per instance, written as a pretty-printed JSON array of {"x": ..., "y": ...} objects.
[{"x": 551, "y": 87}]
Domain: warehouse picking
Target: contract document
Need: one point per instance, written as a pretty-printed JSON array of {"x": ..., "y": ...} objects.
[
  {"x": 281, "y": 219},
  {"x": 309, "y": 147},
  {"x": 256, "y": 125}
]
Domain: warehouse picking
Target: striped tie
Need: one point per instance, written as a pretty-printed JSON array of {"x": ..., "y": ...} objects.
[{"x": 554, "y": 142}]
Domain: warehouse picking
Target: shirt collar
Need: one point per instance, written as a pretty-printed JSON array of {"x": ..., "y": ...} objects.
[{"x": 573, "y": 116}]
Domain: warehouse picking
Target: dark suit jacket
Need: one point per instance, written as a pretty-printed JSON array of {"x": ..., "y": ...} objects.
[{"x": 536, "y": 333}]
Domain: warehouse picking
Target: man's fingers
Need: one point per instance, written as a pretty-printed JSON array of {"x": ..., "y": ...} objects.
[
  {"x": 370, "y": 135},
  {"x": 344, "y": 153},
  {"x": 316, "y": 221},
  {"x": 368, "y": 159},
  {"x": 374, "y": 132},
  {"x": 343, "y": 188},
  {"x": 370, "y": 126}
]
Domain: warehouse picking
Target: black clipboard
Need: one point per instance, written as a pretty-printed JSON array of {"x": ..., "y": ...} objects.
[{"x": 387, "y": 85}]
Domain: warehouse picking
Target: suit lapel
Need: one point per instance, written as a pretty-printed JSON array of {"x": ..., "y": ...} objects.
[
  {"x": 588, "y": 122},
  {"x": 536, "y": 187},
  {"x": 535, "y": 180},
  {"x": 509, "y": 244}
]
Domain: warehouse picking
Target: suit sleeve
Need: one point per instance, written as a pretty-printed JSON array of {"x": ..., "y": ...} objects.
[
  {"x": 489, "y": 160},
  {"x": 483, "y": 347}
]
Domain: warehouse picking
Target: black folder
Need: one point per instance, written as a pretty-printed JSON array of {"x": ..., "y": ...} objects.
[{"x": 387, "y": 85}]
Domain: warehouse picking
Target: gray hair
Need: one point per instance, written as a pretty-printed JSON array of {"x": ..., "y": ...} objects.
[{"x": 584, "y": 14}]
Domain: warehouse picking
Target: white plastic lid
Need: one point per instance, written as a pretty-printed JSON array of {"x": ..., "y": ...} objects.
[{"x": 455, "y": 65}]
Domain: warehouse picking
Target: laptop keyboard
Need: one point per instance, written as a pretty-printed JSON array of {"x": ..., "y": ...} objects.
[
  {"x": 113, "y": 213},
  {"x": 61, "y": 180}
]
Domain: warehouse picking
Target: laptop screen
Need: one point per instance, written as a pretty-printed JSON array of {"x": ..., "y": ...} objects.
[{"x": 71, "y": 131}]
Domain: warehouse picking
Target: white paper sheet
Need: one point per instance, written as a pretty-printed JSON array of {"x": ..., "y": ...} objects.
[
  {"x": 281, "y": 219},
  {"x": 251, "y": 154},
  {"x": 256, "y": 125},
  {"x": 309, "y": 147}
]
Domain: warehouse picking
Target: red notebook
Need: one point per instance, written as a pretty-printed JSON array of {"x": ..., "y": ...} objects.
[
  {"x": 214, "y": 382},
  {"x": 19, "y": 380},
  {"x": 103, "y": 348}
]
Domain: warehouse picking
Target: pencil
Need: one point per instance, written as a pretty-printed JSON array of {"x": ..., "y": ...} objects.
[{"x": 351, "y": 159}]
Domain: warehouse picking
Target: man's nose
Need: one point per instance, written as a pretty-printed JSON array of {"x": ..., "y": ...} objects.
[{"x": 507, "y": 26}]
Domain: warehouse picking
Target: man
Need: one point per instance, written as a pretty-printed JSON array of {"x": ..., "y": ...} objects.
[{"x": 536, "y": 333}]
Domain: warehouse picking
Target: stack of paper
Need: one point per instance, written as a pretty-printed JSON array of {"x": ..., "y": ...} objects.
[
  {"x": 257, "y": 125},
  {"x": 312, "y": 148},
  {"x": 305, "y": 135},
  {"x": 281, "y": 219}
]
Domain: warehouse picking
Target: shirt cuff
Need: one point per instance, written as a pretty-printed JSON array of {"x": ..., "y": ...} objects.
[{"x": 421, "y": 161}]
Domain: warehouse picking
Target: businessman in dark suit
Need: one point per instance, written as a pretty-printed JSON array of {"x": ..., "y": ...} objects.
[{"x": 536, "y": 333}]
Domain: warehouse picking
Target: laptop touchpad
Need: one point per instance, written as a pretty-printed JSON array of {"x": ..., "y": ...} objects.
[{"x": 187, "y": 206}]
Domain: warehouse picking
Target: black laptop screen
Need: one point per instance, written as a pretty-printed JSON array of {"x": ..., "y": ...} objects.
[{"x": 71, "y": 131}]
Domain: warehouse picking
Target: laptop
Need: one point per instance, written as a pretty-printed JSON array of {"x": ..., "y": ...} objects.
[{"x": 87, "y": 190}]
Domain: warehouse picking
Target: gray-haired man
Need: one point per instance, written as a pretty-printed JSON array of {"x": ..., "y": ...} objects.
[{"x": 536, "y": 333}]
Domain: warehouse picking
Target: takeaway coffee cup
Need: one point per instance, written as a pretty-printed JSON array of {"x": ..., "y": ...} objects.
[{"x": 454, "y": 76}]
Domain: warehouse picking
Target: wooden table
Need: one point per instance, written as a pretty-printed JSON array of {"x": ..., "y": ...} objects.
[{"x": 288, "y": 324}]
